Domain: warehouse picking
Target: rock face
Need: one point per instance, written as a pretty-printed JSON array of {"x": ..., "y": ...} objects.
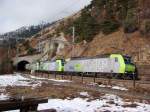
[
  {"x": 133, "y": 44},
  {"x": 144, "y": 9}
]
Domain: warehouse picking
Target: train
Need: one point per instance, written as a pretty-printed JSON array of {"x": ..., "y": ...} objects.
[{"x": 113, "y": 65}]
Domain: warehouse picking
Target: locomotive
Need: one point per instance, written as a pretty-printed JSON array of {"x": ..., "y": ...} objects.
[{"x": 114, "y": 65}]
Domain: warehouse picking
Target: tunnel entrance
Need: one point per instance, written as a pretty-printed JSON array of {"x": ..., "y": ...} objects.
[{"x": 21, "y": 65}]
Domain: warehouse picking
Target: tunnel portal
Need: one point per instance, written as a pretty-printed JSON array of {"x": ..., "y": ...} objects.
[{"x": 21, "y": 66}]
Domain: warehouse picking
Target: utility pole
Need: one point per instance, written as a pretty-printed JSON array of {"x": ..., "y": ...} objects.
[
  {"x": 42, "y": 33},
  {"x": 73, "y": 40}
]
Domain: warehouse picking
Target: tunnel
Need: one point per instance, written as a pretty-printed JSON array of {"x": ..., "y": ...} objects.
[{"x": 21, "y": 65}]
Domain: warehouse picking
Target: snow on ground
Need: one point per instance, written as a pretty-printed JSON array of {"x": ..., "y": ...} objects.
[
  {"x": 17, "y": 80},
  {"x": 59, "y": 80},
  {"x": 84, "y": 94},
  {"x": 4, "y": 96},
  {"x": 13, "y": 111},
  {"x": 107, "y": 102},
  {"x": 109, "y": 86},
  {"x": 38, "y": 78},
  {"x": 114, "y": 87},
  {"x": 119, "y": 88},
  {"x": 102, "y": 85},
  {"x": 10, "y": 80},
  {"x": 2, "y": 90},
  {"x": 56, "y": 80}
]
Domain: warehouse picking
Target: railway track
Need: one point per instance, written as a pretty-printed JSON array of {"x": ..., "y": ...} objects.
[
  {"x": 91, "y": 79},
  {"x": 131, "y": 93},
  {"x": 69, "y": 77},
  {"x": 132, "y": 84},
  {"x": 130, "y": 81}
]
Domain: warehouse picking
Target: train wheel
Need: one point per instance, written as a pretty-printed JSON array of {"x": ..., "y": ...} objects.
[
  {"x": 129, "y": 76},
  {"x": 115, "y": 76},
  {"x": 120, "y": 76}
]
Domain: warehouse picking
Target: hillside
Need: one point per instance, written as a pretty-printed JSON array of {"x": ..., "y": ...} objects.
[
  {"x": 133, "y": 44},
  {"x": 103, "y": 27},
  {"x": 22, "y": 33}
]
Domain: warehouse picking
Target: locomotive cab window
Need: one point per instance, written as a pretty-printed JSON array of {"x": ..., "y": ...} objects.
[
  {"x": 116, "y": 59},
  {"x": 127, "y": 59},
  {"x": 63, "y": 62}
]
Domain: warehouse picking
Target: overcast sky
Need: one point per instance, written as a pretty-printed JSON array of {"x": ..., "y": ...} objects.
[{"x": 18, "y": 13}]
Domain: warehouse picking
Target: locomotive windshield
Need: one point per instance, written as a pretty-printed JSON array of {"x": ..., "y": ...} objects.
[
  {"x": 127, "y": 60},
  {"x": 63, "y": 62}
]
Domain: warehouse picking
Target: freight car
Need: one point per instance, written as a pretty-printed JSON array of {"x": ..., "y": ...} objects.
[{"x": 115, "y": 65}]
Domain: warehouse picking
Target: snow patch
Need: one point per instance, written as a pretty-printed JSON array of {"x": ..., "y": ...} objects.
[
  {"x": 93, "y": 84},
  {"x": 13, "y": 111},
  {"x": 108, "y": 86},
  {"x": 2, "y": 90},
  {"x": 10, "y": 80},
  {"x": 59, "y": 80},
  {"x": 113, "y": 87},
  {"x": 107, "y": 102},
  {"x": 102, "y": 85},
  {"x": 56, "y": 80},
  {"x": 4, "y": 96},
  {"x": 84, "y": 94},
  {"x": 119, "y": 88},
  {"x": 38, "y": 78},
  {"x": 17, "y": 80}
]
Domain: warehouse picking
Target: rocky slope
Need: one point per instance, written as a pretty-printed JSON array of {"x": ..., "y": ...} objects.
[
  {"x": 101, "y": 29},
  {"x": 133, "y": 44}
]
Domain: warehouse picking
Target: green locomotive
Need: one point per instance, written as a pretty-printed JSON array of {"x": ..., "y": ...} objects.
[{"x": 116, "y": 65}]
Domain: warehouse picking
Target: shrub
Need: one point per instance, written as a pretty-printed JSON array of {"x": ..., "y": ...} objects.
[
  {"x": 86, "y": 27},
  {"x": 109, "y": 26},
  {"x": 147, "y": 27},
  {"x": 130, "y": 24},
  {"x": 106, "y": 16},
  {"x": 31, "y": 51}
]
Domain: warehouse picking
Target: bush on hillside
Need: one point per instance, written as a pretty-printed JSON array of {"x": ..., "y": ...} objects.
[
  {"x": 147, "y": 27},
  {"x": 31, "y": 51},
  {"x": 130, "y": 25},
  {"x": 86, "y": 27},
  {"x": 106, "y": 16},
  {"x": 109, "y": 26}
]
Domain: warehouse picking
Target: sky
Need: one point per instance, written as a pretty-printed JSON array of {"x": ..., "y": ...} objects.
[{"x": 17, "y": 13}]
